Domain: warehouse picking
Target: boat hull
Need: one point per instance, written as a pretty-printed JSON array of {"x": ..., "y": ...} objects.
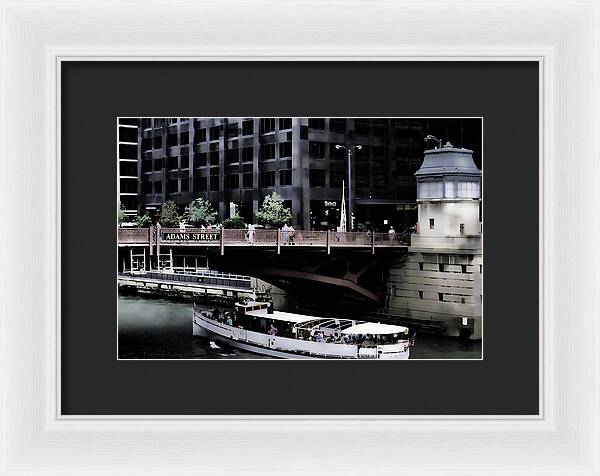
[{"x": 235, "y": 338}]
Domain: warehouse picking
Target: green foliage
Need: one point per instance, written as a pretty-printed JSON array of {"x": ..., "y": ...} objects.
[
  {"x": 200, "y": 212},
  {"x": 272, "y": 213},
  {"x": 168, "y": 214},
  {"x": 143, "y": 221},
  {"x": 234, "y": 223},
  {"x": 121, "y": 214}
]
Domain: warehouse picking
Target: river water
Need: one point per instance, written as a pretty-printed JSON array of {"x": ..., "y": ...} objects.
[{"x": 162, "y": 329}]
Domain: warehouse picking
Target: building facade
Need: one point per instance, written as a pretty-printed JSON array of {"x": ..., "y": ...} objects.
[{"x": 241, "y": 160}]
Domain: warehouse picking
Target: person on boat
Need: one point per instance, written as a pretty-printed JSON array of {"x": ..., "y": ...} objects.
[
  {"x": 215, "y": 314},
  {"x": 273, "y": 330}
]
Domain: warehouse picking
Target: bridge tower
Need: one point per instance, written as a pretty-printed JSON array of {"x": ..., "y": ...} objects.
[{"x": 441, "y": 280}]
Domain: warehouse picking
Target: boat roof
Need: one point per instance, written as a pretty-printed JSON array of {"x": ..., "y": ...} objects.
[
  {"x": 282, "y": 316},
  {"x": 375, "y": 328}
]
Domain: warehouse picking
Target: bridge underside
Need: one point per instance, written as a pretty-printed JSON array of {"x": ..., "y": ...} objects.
[{"x": 344, "y": 277}]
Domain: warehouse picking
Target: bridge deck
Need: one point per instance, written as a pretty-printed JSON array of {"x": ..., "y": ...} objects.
[{"x": 259, "y": 238}]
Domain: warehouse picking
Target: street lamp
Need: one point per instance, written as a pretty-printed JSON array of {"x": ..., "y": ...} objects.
[
  {"x": 430, "y": 137},
  {"x": 349, "y": 150}
]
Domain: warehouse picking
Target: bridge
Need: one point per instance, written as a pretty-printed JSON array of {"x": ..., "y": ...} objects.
[
  {"x": 155, "y": 236},
  {"x": 323, "y": 266}
]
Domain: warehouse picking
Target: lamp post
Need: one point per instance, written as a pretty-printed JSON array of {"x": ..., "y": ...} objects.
[
  {"x": 429, "y": 137},
  {"x": 349, "y": 150}
]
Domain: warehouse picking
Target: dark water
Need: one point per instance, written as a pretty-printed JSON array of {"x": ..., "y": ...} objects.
[{"x": 162, "y": 329}]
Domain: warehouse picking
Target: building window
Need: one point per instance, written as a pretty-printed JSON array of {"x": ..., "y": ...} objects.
[
  {"x": 268, "y": 179},
  {"x": 214, "y": 157},
  {"x": 185, "y": 184},
  {"x": 173, "y": 163},
  {"x": 159, "y": 164},
  {"x": 185, "y": 162},
  {"x": 147, "y": 188},
  {"x": 232, "y": 156},
  {"x": 158, "y": 142},
  {"x": 267, "y": 151},
  {"x": 463, "y": 268},
  {"x": 440, "y": 296},
  {"x": 146, "y": 166},
  {"x": 337, "y": 125},
  {"x": 420, "y": 294},
  {"x": 361, "y": 127},
  {"x": 440, "y": 267},
  {"x": 337, "y": 154},
  {"x": 316, "y": 123},
  {"x": 248, "y": 180},
  {"x": 285, "y": 178},
  {"x": 215, "y": 132},
  {"x": 316, "y": 149},
  {"x": 462, "y": 228},
  {"x": 480, "y": 269},
  {"x": 232, "y": 130},
  {"x": 285, "y": 149},
  {"x": 184, "y": 138},
  {"x": 267, "y": 125},
  {"x": 214, "y": 183},
  {"x": 420, "y": 266},
  {"x": 146, "y": 144},
  {"x": 317, "y": 178},
  {"x": 247, "y": 154},
  {"x": 200, "y": 160},
  {"x": 431, "y": 223},
  {"x": 172, "y": 140},
  {"x": 232, "y": 181},
  {"x": 335, "y": 178},
  {"x": 158, "y": 186},
  {"x": 200, "y": 184},
  {"x": 285, "y": 123},
  {"x": 201, "y": 135},
  {"x": 248, "y": 127},
  {"x": 172, "y": 186}
]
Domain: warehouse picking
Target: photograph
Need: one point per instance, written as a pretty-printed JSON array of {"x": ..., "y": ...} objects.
[{"x": 294, "y": 238}]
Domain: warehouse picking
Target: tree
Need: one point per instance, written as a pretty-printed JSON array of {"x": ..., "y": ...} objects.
[
  {"x": 234, "y": 223},
  {"x": 200, "y": 212},
  {"x": 272, "y": 213},
  {"x": 121, "y": 214},
  {"x": 168, "y": 214},
  {"x": 143, "y": 221}
]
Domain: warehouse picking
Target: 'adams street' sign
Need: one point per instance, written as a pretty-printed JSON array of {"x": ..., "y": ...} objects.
[{"x": 204, "y": 237}]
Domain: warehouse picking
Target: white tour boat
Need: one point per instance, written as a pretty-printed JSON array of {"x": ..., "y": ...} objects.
[{"x": 256, "y": 327}]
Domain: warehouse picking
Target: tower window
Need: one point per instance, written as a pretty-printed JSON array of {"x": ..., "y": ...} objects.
[
  {"x": 420, "y": 294},
  {"x": 440, "y": 296},
  {"x": 431, "y": 223},
  {"x": 462, "y": 228},
  {"x": 420, "y": 266}
]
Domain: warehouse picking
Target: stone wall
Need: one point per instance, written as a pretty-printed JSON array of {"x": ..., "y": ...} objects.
[{"x": 442, "y": 287}]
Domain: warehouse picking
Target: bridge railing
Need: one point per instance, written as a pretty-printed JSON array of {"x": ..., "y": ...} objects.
[
  {"x": 303, "y": 238},
  {"x": 134, "y": 235},
  {"x": 199, "y": 236},
  {"x": 350, "y": 238},
  {"x": 392, "y": 239}
]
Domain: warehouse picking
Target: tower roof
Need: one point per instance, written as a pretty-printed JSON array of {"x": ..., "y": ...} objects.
[{"x": 448, "y": 160}]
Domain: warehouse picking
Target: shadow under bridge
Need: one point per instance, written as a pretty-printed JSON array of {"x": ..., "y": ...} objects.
[{"x": 347, "y": 276}]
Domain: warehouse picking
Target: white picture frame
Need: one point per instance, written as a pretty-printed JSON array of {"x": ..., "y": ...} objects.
[{"x": 38, "y": 35}]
